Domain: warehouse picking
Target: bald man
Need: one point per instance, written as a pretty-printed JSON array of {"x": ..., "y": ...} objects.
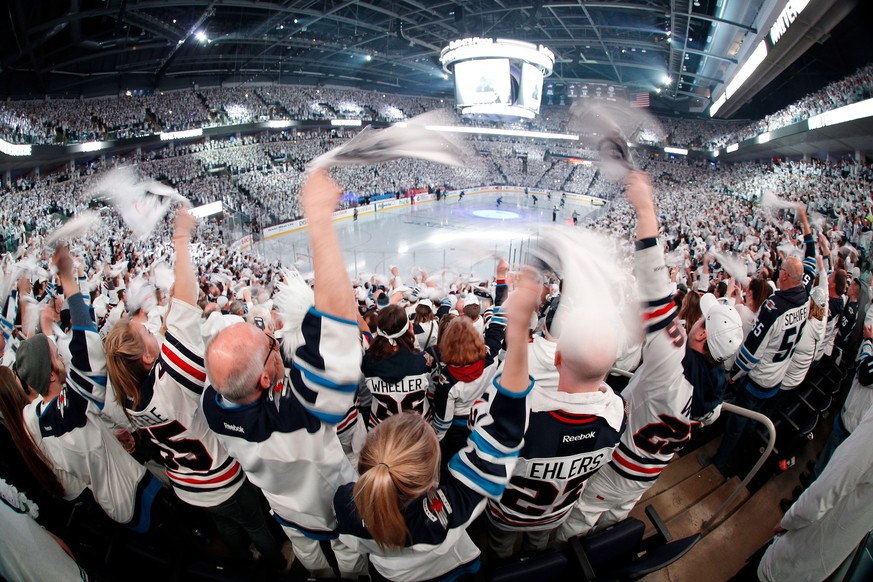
[
  {"x": 678, "y": 387},
  {"x": 766, "y": 353},
  {"x": 571, "y": 433},
  {"x": 278, "y": 417}
]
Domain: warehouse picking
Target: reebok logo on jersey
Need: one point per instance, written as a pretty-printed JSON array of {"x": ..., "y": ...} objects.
[
  {"x": 569, "y": 438},
  {"x": 233, "y": 427}
]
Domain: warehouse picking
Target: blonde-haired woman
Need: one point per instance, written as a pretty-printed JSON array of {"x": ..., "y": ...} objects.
[{"x": 413, "y": 528}]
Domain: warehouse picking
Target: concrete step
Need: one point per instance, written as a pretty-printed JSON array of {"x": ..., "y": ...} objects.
[
  {"x": 680, "y": 497},
  {"x": 679, "y": 470},
  {"x": 691, "y": 521},
  {"x": 724, "y": 551}
]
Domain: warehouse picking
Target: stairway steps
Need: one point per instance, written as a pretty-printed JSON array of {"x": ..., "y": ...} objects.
[
  {"x": 691, "y": 520},
  {"x": 681, "y": 497},
  {"x": 679, "y": 470}
]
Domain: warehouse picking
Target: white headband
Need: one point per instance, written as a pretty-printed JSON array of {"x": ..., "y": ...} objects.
[{"x": 392, "y": 336}]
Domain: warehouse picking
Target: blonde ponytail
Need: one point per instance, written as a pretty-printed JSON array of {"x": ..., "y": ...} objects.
[{"x": 399, "y": 463}]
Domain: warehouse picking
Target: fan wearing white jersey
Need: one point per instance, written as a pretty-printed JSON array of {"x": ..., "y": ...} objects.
[
  {"x": 65, "y": 421},
  {"x": 278, "y": 418},
  {"x": 678, "y": 387},
  {"x": 159, "y": 388}
]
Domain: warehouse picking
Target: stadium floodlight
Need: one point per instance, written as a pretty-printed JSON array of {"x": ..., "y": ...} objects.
[
  {"x": 181, "y": 134},
  {"x": 755, "y": 59},
  {"x": 842, "y": 114},
  {"x": 92, "y": 146},
  {"x": 14, "y": 149},
  {"x": 201, "y": 36},
  {"x": 207, "y": 209},
  {"x": 499, "y": 109},
  {"x": 667, "y": 79},
  {"x": 493, "y": 131},
  {"x": 369, "y": 57},
  {"x": 677, "y": 151}
]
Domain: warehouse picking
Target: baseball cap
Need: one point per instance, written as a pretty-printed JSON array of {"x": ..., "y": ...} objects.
[
  {"x": 724, "y": 328},
  {"x": 33, "y": 363},
  {"x": 819, "y": 296}
]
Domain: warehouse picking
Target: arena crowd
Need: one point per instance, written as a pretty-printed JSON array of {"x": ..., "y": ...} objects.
[{"x": 176, "y": 389}]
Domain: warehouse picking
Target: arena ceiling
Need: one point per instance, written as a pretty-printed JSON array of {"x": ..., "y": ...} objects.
[{"x": 89, "y": 47}]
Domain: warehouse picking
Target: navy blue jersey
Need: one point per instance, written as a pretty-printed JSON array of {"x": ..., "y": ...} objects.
[{"x": 569, "y": 437}]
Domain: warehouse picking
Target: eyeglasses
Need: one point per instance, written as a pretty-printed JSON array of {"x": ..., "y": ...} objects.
[{"x": 274, "y": 345}]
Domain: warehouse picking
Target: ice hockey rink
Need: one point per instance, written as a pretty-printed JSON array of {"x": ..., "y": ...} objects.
[{"x": 450, "y": 237}]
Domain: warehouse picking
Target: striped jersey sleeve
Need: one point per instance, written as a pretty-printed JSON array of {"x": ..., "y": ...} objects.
[
  {"x": 182, "y": 349},
  {"x": 485, "y": 465},
  {"x": 759, "y": 338},
  {"x": 326, "y": 367},
  {"x": 87, "y": 374},
  {"x": 809, "y": 263},
  {"x": 653, "y": 286}
]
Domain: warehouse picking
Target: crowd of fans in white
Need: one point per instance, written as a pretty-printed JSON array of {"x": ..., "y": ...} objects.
[
  {"x": 72, "y": 121},
  {"x": 261, "y": 176}
]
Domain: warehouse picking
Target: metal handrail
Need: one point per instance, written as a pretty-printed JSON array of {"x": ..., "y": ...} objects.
[
  {"x": 771, "y": 430},
  {"x": 771, "y": 443}
]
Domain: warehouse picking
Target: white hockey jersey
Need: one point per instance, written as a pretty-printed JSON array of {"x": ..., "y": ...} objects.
[
  {"x": 860, "y": 397},
  {"x": 659, "y": 396},
  {"x": 286, "y": 441},
  {"x": 199, "y": 468},
  {"x": 74, "y": 437}
]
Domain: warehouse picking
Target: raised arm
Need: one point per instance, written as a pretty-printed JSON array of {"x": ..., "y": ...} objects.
[
  {"x": 320, "y": 195},
  {"x": 809, "y": 265},
  {"x": 87, "y": 357},
  {"x": 186, "y": 281},
  {"x": 639, "y": 193},
  {"x": 522, "y": 304}
]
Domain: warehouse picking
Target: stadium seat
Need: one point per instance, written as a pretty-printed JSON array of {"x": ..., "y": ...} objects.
[
  {"x": 816, "y": 399},
  {"x": 547, "y": 566},
  {"x": 620, "y": 553}
]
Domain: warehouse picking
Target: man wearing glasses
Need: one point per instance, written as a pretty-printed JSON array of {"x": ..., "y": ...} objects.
[{"x": 278, "y": 418}]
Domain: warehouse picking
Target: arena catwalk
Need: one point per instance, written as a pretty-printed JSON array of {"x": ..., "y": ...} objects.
[{"x": 430, "y": 235}]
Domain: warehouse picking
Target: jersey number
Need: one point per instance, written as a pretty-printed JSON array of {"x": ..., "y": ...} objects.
[
  {"x": 532, "y": 497},
  {"x": 187, "y": 453},
  {"x": 789, "y": 343},
  {"x": 675, "y": 332},
  {"x": 387, "y": 406},
  {"x": 663, "y": 438}
]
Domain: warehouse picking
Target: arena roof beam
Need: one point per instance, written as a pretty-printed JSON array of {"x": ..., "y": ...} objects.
[
  {"x": 711, "y": 56},
  {"x": 597, "y": 33},
  {"x": 207, "y": 12},
  {"x": 675, "y": 67}
]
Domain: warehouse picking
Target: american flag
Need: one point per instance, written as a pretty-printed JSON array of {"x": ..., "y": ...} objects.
[{"x": 639, "y": 100}]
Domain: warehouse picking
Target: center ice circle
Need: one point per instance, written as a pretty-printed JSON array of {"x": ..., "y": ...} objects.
[{"x": 495, "y": 214}]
